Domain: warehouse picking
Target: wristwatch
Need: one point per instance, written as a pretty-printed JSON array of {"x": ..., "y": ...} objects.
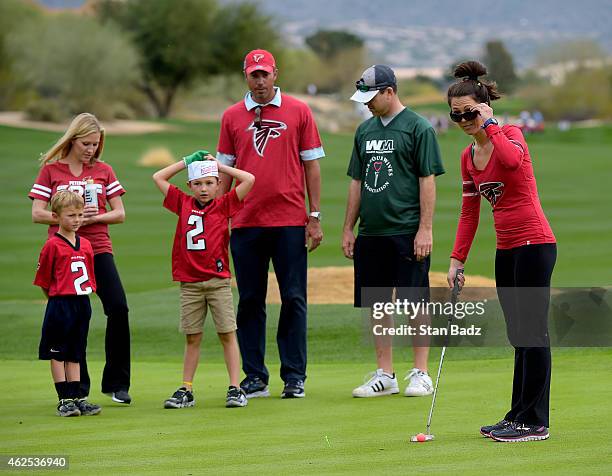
[
  {"x": 315, "y": 215},
  {"x": 489, "y": 121}
]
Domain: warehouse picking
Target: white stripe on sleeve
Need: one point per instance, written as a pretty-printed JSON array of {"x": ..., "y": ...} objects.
[
  {"x": 41, "y": 193},
  {"x": 112, "y": 185},
  {"x": 312, "y": 154},
  {"x": 40, "y": 187},
  {"x": 226, "y": 159},
  {"x": 518, "y": 144},
  {"x": 110, "y": 192}
]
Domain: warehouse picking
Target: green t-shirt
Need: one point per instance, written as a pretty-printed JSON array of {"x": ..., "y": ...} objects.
[{"x": 389, "y": 161}]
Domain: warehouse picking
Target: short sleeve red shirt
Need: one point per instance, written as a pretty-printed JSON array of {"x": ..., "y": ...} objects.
[
  {"x": 64, "y": 269},
  {"x": 57, "y": 176},
  {"x": 201, "y": 241},
  {"x": 271, "y": 152}
]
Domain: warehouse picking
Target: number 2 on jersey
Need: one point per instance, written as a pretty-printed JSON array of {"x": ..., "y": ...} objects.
[
  {"x": 192, "y": 243},
  {"x": 75, "y": 267}
]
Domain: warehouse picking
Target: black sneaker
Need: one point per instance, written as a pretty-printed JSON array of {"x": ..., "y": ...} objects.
[
  {"x": 121, "y": 396},
  {"x": 254, "y": 387},
  {"x": 516, "y": 432},
  {"x": 500, "y": 425},
  {"x": 235, "y": 398},
  {"x": 67, "y": 407},
  {"x": 180, "y": 399},
  {"x": 293, "y": 389},
  {"x": 86, "y": 408}
]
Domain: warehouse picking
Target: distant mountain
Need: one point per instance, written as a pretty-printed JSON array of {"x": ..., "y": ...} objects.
[
  {"x": 434, "y": 34},
  {"x": 56, "y": 4}
]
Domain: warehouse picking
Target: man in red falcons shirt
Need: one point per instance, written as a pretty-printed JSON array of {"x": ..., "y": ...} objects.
[{"x": 274, "y": 137}]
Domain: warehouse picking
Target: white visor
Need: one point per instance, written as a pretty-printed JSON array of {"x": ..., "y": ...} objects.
[
  {"x": 201, "y": 169},
  {"x": 360, "y": 96}
]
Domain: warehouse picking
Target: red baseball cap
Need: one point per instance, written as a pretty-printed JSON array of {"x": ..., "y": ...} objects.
[{"x": 259, "y": 60}]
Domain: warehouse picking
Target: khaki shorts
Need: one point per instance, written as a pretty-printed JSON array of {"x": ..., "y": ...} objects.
[{"x": 197, "y": 297}]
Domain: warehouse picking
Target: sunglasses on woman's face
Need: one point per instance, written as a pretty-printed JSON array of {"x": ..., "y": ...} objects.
[{"x": 459, "y": 116}]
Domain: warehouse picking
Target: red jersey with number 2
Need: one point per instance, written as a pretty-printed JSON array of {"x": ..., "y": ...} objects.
[
  {"x": 201, "y": 241},
  {"x": 508, "y": 183},
  {"x": 65, "y": 269}
]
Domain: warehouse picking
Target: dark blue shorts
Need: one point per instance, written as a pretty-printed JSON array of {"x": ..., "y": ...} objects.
[
  {"x": 385, "y": 263},
  {"x": 65, "y": 328}
]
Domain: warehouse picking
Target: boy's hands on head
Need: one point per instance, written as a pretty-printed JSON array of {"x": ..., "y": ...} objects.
[{"x": 197, "y": 156}]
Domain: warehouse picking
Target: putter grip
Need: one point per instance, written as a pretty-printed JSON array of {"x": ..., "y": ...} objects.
[{"x": 456, "y": 281}]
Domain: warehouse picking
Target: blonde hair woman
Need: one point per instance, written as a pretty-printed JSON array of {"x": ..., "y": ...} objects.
[{"x": 70, "y": 164}]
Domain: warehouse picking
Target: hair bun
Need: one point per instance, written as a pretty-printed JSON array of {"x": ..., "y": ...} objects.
[{"x": 470, "y": 70}]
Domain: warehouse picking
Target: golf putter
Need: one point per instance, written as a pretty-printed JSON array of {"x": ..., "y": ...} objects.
[{"x": 454, "y": 294}]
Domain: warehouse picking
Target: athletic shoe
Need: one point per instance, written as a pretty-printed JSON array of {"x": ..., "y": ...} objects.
[
  {"x": 235, "y": 398},
  {"x": 500, "y": 425},
  {"x": 180, "y": 399},
  {"x": 293, "y": 389},
  {"x": 67, "y": 407},
  {"x": 419, "y": 384},
  {"x": 516, "y": 432},
  {"x": 121, "y": 396},
  {"x": 254, "y": 387},
  {"x": 377, "y": 384},
  {"x": 87, "y": 408}
]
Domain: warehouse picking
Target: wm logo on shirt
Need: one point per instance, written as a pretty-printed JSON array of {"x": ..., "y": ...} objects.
[{"x": 379, "y": 146}]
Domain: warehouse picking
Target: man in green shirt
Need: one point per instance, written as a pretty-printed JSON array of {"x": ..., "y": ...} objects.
[{"x": 392, "y": 192}]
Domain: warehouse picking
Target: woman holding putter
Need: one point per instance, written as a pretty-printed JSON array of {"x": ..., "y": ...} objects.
[{"x": 497, "y": 166}]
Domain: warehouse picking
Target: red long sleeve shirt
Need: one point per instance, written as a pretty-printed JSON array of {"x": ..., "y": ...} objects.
[{"x": 508, "y": 183}]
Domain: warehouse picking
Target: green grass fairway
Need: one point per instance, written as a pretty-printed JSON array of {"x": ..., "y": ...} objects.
[
  {"x": 274, "y": 436},
  {"x": 572, "y": 169},
  {"x": 271, "y": 436}
]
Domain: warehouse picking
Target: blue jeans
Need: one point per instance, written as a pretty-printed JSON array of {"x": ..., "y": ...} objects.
[{"x": 252, "y": 250}]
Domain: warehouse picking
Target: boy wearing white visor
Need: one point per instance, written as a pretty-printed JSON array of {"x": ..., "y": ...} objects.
[{"x": 200, "y": 263}]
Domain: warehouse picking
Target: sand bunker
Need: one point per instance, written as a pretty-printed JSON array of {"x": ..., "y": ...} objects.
[
  {"x": 334, "y": 285},
  {"x": 17, "y": 119}
]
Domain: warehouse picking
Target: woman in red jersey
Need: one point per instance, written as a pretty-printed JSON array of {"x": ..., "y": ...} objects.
[
  {"x": 497, "y": 166},
  {"x": 70, "y": 164}
]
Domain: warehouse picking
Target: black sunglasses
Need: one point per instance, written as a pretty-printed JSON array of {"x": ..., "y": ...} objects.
[
  {"x": 468, "y": 116},
  {"x": 364, "y": 88},
  {"x": 257, "y": 121}
]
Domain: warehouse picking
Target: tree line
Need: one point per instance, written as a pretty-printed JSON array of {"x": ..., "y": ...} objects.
[{"x": 121, "y": 59}]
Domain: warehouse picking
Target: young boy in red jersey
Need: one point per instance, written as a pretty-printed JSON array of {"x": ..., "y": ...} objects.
[
  {"x": 200, "y": 262},
  {"x": 66, "y": 275}
]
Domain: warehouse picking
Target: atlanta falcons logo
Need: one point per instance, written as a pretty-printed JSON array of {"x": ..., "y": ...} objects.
[
  {"x": 491, "y": 191},
  {"x": 268, "y": 129}
]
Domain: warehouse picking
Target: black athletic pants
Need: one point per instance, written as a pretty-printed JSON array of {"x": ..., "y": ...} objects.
[
  {"x": 252, "y": 250},
  {"x": 116, "y": 375},
  {"x": 522, "y": 277}
]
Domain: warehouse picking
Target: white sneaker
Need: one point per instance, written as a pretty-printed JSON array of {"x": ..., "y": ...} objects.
[
  {"x": 377, "y": 384},
  {"x": 419, "y": 385}
]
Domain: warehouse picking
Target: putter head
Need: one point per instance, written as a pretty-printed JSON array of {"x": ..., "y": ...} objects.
[{"x": 416, "y": 439}]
